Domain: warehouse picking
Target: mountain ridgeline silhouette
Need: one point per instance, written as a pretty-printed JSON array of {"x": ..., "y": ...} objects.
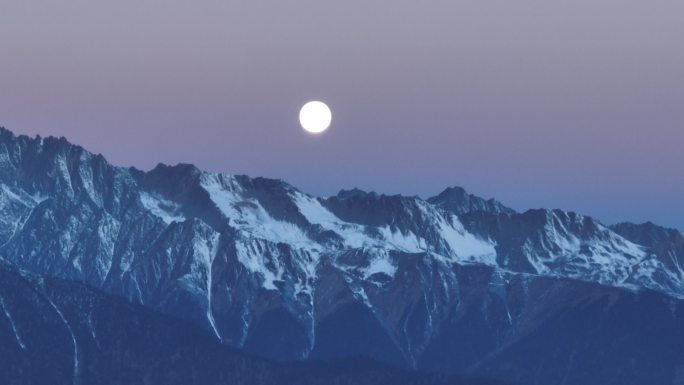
[{"x": 453, "y": 284}]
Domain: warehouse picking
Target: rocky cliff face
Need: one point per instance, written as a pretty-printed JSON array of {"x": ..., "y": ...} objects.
[{"x": 274, "y": 271}]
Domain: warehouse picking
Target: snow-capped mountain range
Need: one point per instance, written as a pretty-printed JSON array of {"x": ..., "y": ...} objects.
[{"x": 275, "y": 271}]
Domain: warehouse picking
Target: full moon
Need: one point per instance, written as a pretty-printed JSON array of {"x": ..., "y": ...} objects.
[{"x": 315, "y": 117}]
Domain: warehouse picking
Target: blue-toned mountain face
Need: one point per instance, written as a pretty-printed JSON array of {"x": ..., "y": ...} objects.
[
  {"x": 454, "y": 283},
  {"x": 58, "y": 332}
]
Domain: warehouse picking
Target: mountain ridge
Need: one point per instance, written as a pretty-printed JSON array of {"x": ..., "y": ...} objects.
[{"x": 269, "y": 269}]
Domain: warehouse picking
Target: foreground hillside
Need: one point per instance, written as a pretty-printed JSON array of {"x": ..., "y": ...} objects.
[{"x": 56, "y": 332}]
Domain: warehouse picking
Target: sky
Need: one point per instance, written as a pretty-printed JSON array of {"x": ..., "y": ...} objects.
[{"x": 576, "y": 104}]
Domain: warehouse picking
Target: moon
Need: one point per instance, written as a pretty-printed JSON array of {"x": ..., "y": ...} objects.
[{"x": 315, "y": 117}]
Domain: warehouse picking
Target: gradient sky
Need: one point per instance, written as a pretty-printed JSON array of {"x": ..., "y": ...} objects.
[{"x": 569, "y": 104}]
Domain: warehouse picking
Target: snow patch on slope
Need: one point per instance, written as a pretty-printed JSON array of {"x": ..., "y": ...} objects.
[
  {"x": 86, "y": 174},
  {"x": 261, "y": 258},
  {"x": 161, "y": 208},
  {"x": 465, "y": 245},
  {"x": 381, "y": 264},
  {"x": 353, "y": 235},
  {"x": 205, "y": 249},
  {"x": 248, "y": 216},
  {"x": 605, "y": 257},
  {"x": 356, "y": 235},
  {"x": 20, "y": 340}
]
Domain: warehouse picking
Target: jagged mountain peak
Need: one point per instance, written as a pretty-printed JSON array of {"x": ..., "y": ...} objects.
[
  {"x": 664, "y": 243},
  {"x": 180, "y": 168},
  {"x": 356, "y": 193},
  {"x": 647, "y": 233},
  {"x": 51, "y": 143},
  {"x": 458, "y": 201}
]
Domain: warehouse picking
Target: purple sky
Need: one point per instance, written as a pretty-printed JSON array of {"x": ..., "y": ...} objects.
[{"x": 570, "y": 104}]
